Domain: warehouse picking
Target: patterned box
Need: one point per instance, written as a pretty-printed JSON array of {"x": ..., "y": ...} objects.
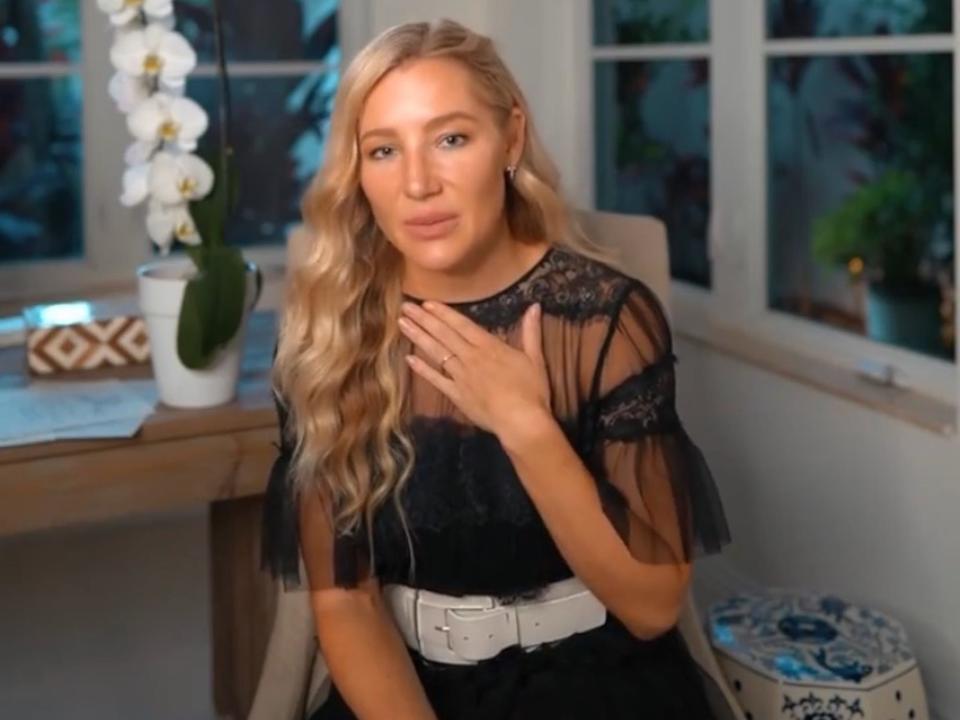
[{"x": 84, "y": 336}]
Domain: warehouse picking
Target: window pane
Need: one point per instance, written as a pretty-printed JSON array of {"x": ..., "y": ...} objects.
[
  {"x": 39, "y": 30},
  {"x": 638, "y": 22},
  {"x": 40, "y": 164},
  {"x": 857, "y": 18},
  {"x": 278, "y": 129},
  {"x": 861, "y": 195},
  {"x": 653, "y": 151},
  {"x": 261, "y": 31}
]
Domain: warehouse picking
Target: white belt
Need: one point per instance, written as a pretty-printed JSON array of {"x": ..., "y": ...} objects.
[{"x": 462, "y": 630}]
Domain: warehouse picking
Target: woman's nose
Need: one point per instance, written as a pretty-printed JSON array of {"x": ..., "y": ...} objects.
[{"x": 419, "y": 179}]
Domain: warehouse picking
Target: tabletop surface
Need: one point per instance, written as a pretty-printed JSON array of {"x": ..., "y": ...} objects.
[{"x": 252, "y": 408}]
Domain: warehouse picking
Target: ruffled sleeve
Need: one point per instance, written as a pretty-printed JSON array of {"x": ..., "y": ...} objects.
[
  {"x": 654, "y": 482},
  {"x": 297, "y": 535}
]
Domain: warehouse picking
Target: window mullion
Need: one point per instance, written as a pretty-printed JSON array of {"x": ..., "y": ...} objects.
[
  {"x": 881, "y": 44},
  {"x": 755, "y": 129},
  {"x": 666, "y": 51},
  {"x": 115, "y": 240},
  {"x": 737, "y": 166},
  {"x": 280, "y": 68},
  {"x": 30, "y": 70},
  {"x": 956, "y": 190},
  {"x": 583, "y": 109},
  {"x": 355, "y": 27}
]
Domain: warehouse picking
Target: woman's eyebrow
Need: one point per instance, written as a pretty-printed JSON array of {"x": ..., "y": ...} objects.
[{"x": 438, "y": 120}]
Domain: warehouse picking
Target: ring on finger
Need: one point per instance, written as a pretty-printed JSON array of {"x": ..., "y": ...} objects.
[{"x": 446, "y": 357}]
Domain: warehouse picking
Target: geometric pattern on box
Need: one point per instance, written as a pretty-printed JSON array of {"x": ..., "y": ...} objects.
[
  {"x": 797, "y": 656},
  {"x": 109, "y": 342}
]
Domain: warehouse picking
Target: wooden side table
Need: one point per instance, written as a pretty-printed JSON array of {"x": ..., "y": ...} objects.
[{"x": 219, "y": 457}]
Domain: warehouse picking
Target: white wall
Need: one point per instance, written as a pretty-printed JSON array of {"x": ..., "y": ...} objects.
[{"x": 827, "y": 495}]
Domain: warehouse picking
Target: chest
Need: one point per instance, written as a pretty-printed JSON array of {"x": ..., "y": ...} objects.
[
  {"x": 462, "y": 476},
  {"x": 474, "y": 527}
]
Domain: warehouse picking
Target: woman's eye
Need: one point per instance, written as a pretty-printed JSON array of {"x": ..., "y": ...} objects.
[
  {"x": 456, "y": 138},
  {"x": 378, "y": 152}
]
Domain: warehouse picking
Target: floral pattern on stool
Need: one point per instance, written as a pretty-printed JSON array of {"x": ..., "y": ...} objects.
[{"x": 797, "y": 656}]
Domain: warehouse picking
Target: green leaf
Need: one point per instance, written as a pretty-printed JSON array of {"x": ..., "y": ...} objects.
[
  {"x": 197, "y": 255},
  {"x": 223, "y": 198},
  {"x": 209, "y": 213},
  {"x": 212, "y": 306},
  {"x": 884, "y": 223},
  {"x": 207, "y": 216}
]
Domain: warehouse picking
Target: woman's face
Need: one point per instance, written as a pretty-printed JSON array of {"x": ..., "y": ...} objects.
[{"x": 432, "y": 162}]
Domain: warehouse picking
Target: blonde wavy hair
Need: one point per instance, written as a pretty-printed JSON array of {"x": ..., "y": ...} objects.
[{"x": 339, "y": 367}]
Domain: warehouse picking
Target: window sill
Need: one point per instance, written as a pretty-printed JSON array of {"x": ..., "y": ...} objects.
[{"x": 925, "y": 411}]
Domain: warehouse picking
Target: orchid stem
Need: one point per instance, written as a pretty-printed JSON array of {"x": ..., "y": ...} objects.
[{"x": 224, "y": 118}]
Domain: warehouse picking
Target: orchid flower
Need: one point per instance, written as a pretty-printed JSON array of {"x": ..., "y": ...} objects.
[
  {"x": 152, "y": 62},
  {"x": 154, "y": 53},
  {"x": 175, "y": 179},
  {"x": 123, "y": 12},
  {"x": 162, "y": 118},
  {"x": 136, "y": 184},
  {"x": 166, "y": 223},
  {"x": 128, "y": 91}
]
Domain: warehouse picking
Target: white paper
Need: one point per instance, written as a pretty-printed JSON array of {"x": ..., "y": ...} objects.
[{"x": 47, "y": 410}]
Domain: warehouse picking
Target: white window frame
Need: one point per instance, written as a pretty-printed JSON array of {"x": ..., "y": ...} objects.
[
  {"x": 115, "y": 238},
  {"x": 738, "y": 51}
]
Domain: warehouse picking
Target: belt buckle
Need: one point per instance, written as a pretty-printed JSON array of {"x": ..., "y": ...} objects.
[
  {"x": 481, "y": 634},
  {"x": 465, "y": 633}
]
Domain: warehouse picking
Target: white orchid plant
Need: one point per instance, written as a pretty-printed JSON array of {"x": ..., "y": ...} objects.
[{"x": 184, "y": 203}]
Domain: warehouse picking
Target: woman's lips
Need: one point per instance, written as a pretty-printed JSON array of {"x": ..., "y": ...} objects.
[{"x": 430, "y": 228}]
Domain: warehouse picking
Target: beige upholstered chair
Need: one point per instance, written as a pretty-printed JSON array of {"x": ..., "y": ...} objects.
[{"x": 294, "y": 681}]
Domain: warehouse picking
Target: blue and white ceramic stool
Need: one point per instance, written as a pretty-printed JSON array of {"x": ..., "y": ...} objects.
[{"x": 794, "y": 657}]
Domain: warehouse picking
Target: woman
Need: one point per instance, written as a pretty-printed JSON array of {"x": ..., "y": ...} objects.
[{"x": 495, "y": 503}]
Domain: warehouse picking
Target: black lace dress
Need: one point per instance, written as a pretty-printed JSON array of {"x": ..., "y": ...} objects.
[{"x": 611, "y": 365}]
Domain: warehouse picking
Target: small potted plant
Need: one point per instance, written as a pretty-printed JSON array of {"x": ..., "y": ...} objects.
[
  {"x": 195, "y": 307},
  {"x": 883, "y": 235}
]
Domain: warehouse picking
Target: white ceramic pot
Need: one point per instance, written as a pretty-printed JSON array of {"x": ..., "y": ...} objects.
[{"x": 161, "y": 286}]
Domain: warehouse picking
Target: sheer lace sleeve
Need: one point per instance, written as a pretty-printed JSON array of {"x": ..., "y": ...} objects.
[
  {"x": 297, "y": 527},
  {"x": 655, "y": 484}
]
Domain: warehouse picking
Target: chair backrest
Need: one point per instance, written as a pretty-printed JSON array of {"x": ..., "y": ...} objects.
[{"x": 640, "y": 242}]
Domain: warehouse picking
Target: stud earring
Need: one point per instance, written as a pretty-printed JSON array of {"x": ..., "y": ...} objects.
[{"x": 511, "y": 172}]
